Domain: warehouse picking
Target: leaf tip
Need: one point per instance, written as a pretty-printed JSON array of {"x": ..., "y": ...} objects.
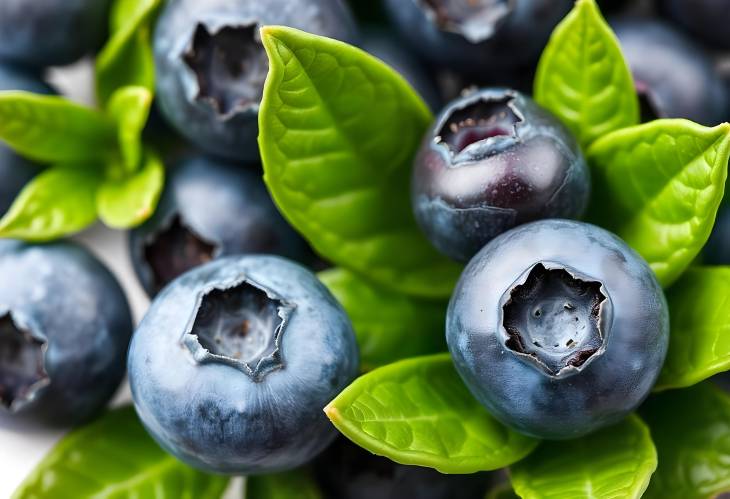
[{"x": 332, "y": 412}]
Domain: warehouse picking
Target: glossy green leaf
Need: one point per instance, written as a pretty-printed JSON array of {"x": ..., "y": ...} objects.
[
  {"x": 418, "y": 411},
  {"x": 659, "y": 186},
  {"x": 49, "y": 128},
  {"x": 130, "y": 201},
  {"x": 129, "y": 108},
  {"x": 114, "y": 458},
  {"x": 616, "y": 462},
  {"x": 583, "y": 78},
  {"x": 297, "y": 484},
  {"x": 338, "y": 132},
  {"x": 691, "y": 430},
  {"x": 59, "y": 201},
  {"x": 389, "y": 326},
  {"x": 699, "y": 343},
  {"x": 126, "y": 59}
]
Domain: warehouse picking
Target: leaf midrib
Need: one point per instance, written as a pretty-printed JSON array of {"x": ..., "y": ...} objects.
[{"x": 167, "y": 462}]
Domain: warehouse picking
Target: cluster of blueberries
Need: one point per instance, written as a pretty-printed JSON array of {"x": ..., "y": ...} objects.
[{"x": 238, "y": 354}]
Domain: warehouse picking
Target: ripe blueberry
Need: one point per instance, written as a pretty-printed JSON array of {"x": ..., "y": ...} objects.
[
  {"x": 209, "y": 209},
  {"x": 558, "y": 328},
  {"x": 234, "y": 361},
  {"x": 493, "y": 160},
  {"x": 211, "y": 66},
  {"x": 64, "y": 329}
]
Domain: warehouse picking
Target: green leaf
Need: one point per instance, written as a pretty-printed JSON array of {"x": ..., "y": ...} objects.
[
  {"x": 502, "y": 491},
  {"x": 129, "y": 108},
  {"x": 389, "y": 326},
  {"x": 614, "y": 462},
  {"x": 130, "y": 201},
  {"x": 297, "y": 484},
  {"x": 583, "y": 78},
  {"x": 418, "y": 411},
  {"x": 338, "y": 132},
  {"x": 126, "y": 59},
  {"x": 113, "y": 457},
  {"x": 659, "y": 186},
  {"x": 699, "y": 343},
  {"x": 691, "y": 429},
  {"x": 49, "y": 128},
  {"x": 59, "y": 201}
]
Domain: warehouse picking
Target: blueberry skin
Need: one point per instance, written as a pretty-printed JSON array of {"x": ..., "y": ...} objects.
[
  {"x": 511, "y": 34},
  {"x": 706, "y": 20},
  {"x": 66, "y": 299},
  {"x": 471, "y": 183},
  {"x": 717, "y": 250},
  {"x": 15, "y": 171},
  {"x": 216, "y": 105},
  {"x": 51, "y": 32},
  {"x": 674, "y": 76},
  {"x": 212, "y": 414},
  {"x": 346, "y": 471},
  {"x": 611, "y": 383},
  {"x": 225, "y": 206}
]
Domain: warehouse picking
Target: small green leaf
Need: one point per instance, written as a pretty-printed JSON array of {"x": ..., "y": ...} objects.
[
  {"x": 699, "y": 343},
  {"x": 129, "y": 108},
  {"x": 659, "y": 186},
  {"x": 52, "y": 129},
  {"x": 130, "y": 201},
  {"x": 126, "y": 59},
  {"x": 614, "y": 462},
  {"x": 297, "y": 484},
  {"x": 418, "y": 411},
  {"x": 583, "y": 78},
  {"x": 59, "y": 201},
  {"x": 338, "y": 132},
  {"x": 691, "y": 429},
  {"x": 389, "y": 326},
  {"x": 114, "y": 457}
]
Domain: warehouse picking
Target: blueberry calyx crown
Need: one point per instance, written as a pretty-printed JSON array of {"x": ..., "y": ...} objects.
[
  {"x": 22, "y": 364},
  {"x": 475, "y": 20},
  {"x": 556, "y": 319},
  {"x": 484, "y": 119},
  {"x": 230, "y": 67},
  {"x": 240, "y": 324},
  {"x": 174, "y": 249}
]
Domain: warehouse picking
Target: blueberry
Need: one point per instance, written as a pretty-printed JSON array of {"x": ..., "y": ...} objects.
[
  {"x": 717, "y": 251},
  {"x": 15, "y": 171},
  {"x": 675, "y": 78},
  {"x": 387, "y": 48},
  {"x": 209, "y": 209},
  {"x": 346, "y": 471},
  {"x": 211, "y": 66},
  {"x": 494, "y": 159},
  {"x": 64, "y": 329},
  {"x": 51, "y": 32},
  {"x": 707, "y": 20},
  {"x": 558, "y": 328},
  {"x": 234, "y": 361},
  {"x": 477, "y": 34}
]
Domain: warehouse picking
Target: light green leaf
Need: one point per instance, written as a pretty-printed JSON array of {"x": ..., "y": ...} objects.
[
  {"x": 614, "y": 462},
  {"x": 659, "y": 186},
  {"x": 699, "y": 343},
  {"x": 418, "y": 411},
  {"x": 129, "y": 108},
  {"x": 114, "y": 457},
  {"x": 297, "y": 484},
  {"x": 583, "y": 78},
  {"x": 130, "y": 201},
  {"x": 389, "y": 326},
  {"x": 59, "y": 201},
  {"x": 338, "y": 132},
  {"x": 126, "y": 59},
  {"x": 49, "y": 128},
  {"x": 691, "y": 429}
]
